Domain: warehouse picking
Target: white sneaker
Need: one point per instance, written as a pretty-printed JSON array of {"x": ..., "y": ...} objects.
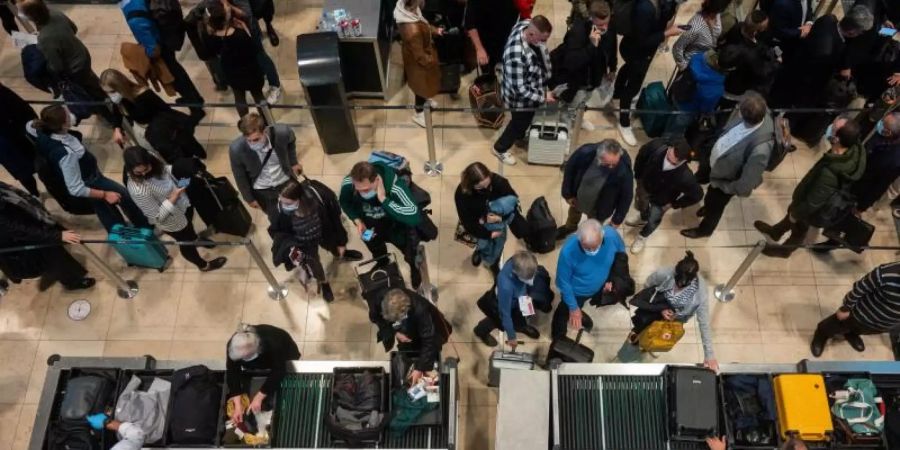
[
  {"x": 635, "y": 222},
  {"x": 587, "y": 125},
  {"x": 505, "y": 157},
  {"x": 638, "y": 245},
  {"x": 627, "y": 135},
  {"x": 274, "y": 95},
  {"x": 433, "y": 104},
  {"x": 419, "y": 119}
]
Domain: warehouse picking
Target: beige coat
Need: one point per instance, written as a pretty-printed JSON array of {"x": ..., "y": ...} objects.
[{"x": 420, "y": 59}]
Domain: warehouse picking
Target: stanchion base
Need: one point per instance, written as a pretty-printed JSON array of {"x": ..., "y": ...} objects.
[
  {"x": 131, "y": 292},
  {"x": 277, "y": 294},
  {"x": 723, "y": 296},
  {"x": 434, "y": 168}
]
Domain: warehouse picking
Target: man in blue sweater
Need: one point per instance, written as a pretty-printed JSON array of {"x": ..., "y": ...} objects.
[{"x": 581, "y": 272}]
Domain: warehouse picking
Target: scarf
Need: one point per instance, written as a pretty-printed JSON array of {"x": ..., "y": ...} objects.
[
  {"x": 26, "y": 202},
  {"x": 403, "y": 15}
]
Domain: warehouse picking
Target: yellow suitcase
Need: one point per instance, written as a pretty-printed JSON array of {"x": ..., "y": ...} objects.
[
  {"x": 802, "y": 405},
  {"x": 660, "y": 336}
]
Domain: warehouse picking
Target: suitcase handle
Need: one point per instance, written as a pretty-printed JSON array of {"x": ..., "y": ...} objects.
[{"x": 390, "y": 256}]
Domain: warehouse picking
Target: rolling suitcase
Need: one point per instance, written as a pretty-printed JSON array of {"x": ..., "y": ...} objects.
[
  {"x": 693, "y": 404},
  {"x": 501, "y": 359},
  {"x": 218, "y": 204},
  {"x": 654, "y": 98},
  {"x": 548, "y": 139},
  {"x": 450, "y": 78},
  {"x": 802, "y": 405},
  {"x": 570, "y": 351},
  {"x": 483, "y": 94},
  {"x": 130, "y": 244}
]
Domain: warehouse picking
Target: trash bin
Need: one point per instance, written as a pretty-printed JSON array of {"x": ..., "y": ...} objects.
[{"x": 320, "y": 74}]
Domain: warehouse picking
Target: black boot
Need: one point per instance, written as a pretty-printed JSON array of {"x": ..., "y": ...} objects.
[
  {"x": 483, "y": 331},
  {"x": 773, "y": 232},
  {"x": 855, "y": 341},
  {"x": 327, "y": 295},
  {"x": 817, "y": 346},
  {"x": 273, "y": 36}
]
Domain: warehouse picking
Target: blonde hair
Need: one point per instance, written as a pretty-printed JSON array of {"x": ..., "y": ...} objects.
[
  {"x": 119, "y": 82},
  {"x": 395, "y": 305},
  {"x": 251, "y": 123}
]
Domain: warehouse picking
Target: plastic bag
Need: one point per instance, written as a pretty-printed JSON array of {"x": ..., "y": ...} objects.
[{"x": 601, "y": 95}]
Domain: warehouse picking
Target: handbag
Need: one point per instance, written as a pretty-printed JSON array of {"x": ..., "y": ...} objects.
[
  {"x": 852, "y": 232},
  {"x": 464, "y": 237},
  {"x": 645, "y": 300}
]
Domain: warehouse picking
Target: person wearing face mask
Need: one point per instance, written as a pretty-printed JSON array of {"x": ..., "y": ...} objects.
[
  {"x": 419, "y": 327},
  {"x": 156, "y": 192},
  {"x": 376, "y": 200},
  {"x": 263, "y": 160},
  {"x": 598, "y": 181},
  {"x": 675, "y": 293},
  {"x": 836, "y": 170},
  {"x": 78, "y": 167},
  {"x": 755, "y": 68},
  {"x": 582, "y": 270},
  {"x": 257, "y": 348},
  {"x": 882, "y": 162},
  {"x": 170, "y": 132},
  {"x": 501, "y": 304},
  {"x": 478, "y": 186}
]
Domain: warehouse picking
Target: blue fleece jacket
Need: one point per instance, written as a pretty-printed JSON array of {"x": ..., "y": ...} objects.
[
  {"x": 710, "y": 86},
  {"x": 509, "y": 289},
  {"x": 142, "y": 26},
  {"x": 581, "y": 275}
]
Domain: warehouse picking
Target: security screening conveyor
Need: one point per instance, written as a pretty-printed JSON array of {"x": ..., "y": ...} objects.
[
  {"x": 629, "y": 406},
  {"x": 300, "y": 405}
]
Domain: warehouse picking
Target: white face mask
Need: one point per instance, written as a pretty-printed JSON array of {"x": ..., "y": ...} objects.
[
  {"x": 591, "y": 252},
  {"x": 115, "y": 97},
  {"x": 251, "y": 357},
  {"x": 529, "y": 281},
  {"x": 259, "y": 145}
]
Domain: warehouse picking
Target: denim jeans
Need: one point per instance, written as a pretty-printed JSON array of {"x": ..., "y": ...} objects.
[
  {"x": 109, "y": 214},
  {"x": 650, "y": 213},
  {"x": 265, "y": 62}
]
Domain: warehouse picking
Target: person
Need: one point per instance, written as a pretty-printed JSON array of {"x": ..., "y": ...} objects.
[
  {"x": 586, "y": 57},
  {"x": 156, "y": 192},
  {"x": 131, "y": 436},
  {"x": 836, "y": 170},
  {"x": 721, "y": 443},
  {"x": 757, "y": 63},
  {"x": 263, "y": 160},
  {"x": 526, "y": 71},
  {"x": 420, "y": 58},
  {"x": 16, "y": 150},
  {"x": 708, "y": 71},
  {"x": 871, "y": 307},
  {"x": 736, "y": 163},
  {"x": 257, "y": 347},
  {"x": 882, "y": 162},
  {"x": 502, "y": 309},
  {"x": 24, "y": 221},
  {"x": 478, "y": 187},
  {"x": 650, "y": 28},
  {"x": 237, "y": 52},
  {"x": 78, "y": 167},
  {"x": 265, "y": 10},
  {"x": 676, "y": 293},
  {"x": 703, "y": 34},
  {"x": 581, "y": 273},
  {"x": 488, "y": 24},
  {"x": 419, "y": 327},
  {"x": 158, "y": 43},
  {"x": 376, "y": 200},
  {"x": 598, "y": 181},
  {"x": 664, "y": 182},
  {"x": 792, "y": 21},
  {"x": 67, "y": 57},
  {"x": 141, "y": 105}
]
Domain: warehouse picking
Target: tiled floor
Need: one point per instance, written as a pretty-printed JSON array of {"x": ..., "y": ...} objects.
[{"x": 182, "y": 314}]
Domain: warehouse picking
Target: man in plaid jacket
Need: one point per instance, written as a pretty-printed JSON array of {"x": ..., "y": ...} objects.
[{"x": 526, "y": 72}]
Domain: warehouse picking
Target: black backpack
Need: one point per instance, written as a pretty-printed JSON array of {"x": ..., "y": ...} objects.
[
  {"x": 194, "y": 412},
  {"x": 86, "y": 395},
  {"x": 542, "y": 227},
  {"x": 72, "y": 435}
]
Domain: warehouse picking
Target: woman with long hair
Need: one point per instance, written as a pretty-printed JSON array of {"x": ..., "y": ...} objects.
[
  {"x": 703, "y": 34},
  {"x": 420, "y": 57},
  {"x": 237, "y": 52}
]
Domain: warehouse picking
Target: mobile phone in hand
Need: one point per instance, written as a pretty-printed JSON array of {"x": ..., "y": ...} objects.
[
  {"x": 183, "y": 182},
  {"x": 367, "y": 235},
  {"x": 887, "y": 32}
]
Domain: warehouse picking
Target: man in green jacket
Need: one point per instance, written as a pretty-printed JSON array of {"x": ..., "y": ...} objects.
[
  {"x": 837, "y": 170},
  {"x": 375, "y": 200}
]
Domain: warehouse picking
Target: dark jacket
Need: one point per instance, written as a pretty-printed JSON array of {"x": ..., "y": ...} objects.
[
  {"x": 196, "y": 31},
  {"x": 16, "y": 151},
  {"x": 830, "y": 173},
  {"x": 755, "y": 71},
  {"x": 786, "y": 17},
  {"x": 648, "y": 26},
  {"x": 882, "y": 168},
  {"x": 474, "y": 206},
  {"x": 65, "y": 53},
  {"x": 245, "y": 162},
  {"x": 19, "y": 226},
  {"x": 493, "y": 19},
  {"x": 276, "y": 349},
  {"x": 281, "y": 227},
  {"x": 621, "y": 177},
  {"x": 578, "y": 63},
  {"x": 677, "y": 187},
  {"x": 623, "y": 285},
  {"x": 426, "y": 326}
]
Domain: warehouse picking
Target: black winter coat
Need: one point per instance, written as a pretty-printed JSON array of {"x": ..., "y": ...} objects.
[
  {"x": 276, "y": 348},
  {"x": 281, "y": 227},
  {"x": 578, "y": 63},
  {"x": 756, "y": 69},
  {"x": 677, "y": 187},
  {"x": 428, "y": 329},
  {"x": 648, "y": 28},
  {"x": 19, "y": 227},
  {"x": 474, "y": 206},
  {"x": 882, "y": 168}
]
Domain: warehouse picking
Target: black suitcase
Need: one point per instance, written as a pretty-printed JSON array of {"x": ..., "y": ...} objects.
[
  {"x": 194, "y": 407},
  {"x": 567, "y": 350},
  {"x": 451, "y": 74},
  {"x": 218, "y": 204},
  {"x": 693, "y": 404}
]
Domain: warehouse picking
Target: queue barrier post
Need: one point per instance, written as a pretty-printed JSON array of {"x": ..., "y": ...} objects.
[
  {"x": 433, "y": 167},
  {"x": 127, "y": 289},
  {"x": 275, "y": 290},
  {"x": 725, "y": 292}
]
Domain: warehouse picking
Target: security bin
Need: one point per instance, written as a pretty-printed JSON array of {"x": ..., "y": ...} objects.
[
  {"x": 835, "y": 382},
  {"x": 107, "y": 438},
  {"x": 731, "y": 404},
  {"x": 147, "y": 376},
  {"x": 255, "y": 382},
  {"x": 319, "y": 65}
]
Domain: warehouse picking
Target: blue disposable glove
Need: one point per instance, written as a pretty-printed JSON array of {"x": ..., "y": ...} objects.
[{"x": 97, "y": 421}]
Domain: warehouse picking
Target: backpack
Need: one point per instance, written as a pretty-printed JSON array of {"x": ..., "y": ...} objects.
[
  {"x": 784, "y": 142},
  {"x": 194, "y": 413},
  {"x": 86, "y": 395},
  {"x": 72, "y": 435},
  {"x": 541, "y": 237}
]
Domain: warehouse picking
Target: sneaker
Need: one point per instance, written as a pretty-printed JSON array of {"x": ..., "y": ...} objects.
[
  {"x": 587, "y": 125},
  {"x": 505, "y": 157},
  {"x": 476, "y": 258},
  {"x": 635, "y": 222},
  {"x": 419, "y": 119},
  {"x": 274, "y": 95},
  {"x": 432, "y": 103},
  {"x": 638, "y": 245},
  {"x": 627, "y": 135}
]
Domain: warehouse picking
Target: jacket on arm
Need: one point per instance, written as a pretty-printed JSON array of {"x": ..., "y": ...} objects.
[
  {"x": 474, "y": 206},
  {"x": 142, "y": 25}
]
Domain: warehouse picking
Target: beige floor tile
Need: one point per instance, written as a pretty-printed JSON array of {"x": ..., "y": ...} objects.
[
  {"x": 23, "y": 311},
  {"x": 209, "y": 311},
  {"x": 150, "y": 316},
  {"x": 740, "y": 353},
  {"x": 342, "y": 351},
  {"x": 344, "y": 320},
  {"x": 63, "y": 348},
  {"x": 58, "y": 326},
  {"x": 25, "y": 424},
  {"x": 191, "y": 350},
  {"x": 458, "y": 305},
  {"x": 787, "y": 308},
  {"x": 289, "y": 314},
  {"x": 16, "y": 358},
  {"x": 156, "y": 349},
  {"x": 477, "y": 427},
  {"x": 9, "y": 419}
]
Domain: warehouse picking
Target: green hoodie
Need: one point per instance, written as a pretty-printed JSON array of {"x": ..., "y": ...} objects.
[
  {"x": 398, "y": 205},
  {"x": 831, "y": 173}
]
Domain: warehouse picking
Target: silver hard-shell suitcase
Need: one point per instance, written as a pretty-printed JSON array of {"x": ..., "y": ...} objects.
[{"x": 548, "y": 139}]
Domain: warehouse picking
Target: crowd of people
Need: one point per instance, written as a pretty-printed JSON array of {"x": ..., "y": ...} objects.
[{"x": 779, "y": 56}]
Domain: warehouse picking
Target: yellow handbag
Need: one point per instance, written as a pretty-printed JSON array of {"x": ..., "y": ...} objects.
[{"x": 660, "y": 336}]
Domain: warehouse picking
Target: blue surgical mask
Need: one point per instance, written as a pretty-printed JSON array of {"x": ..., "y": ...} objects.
[
  {"x": 829, "y": 132},
  {"x": 259, "y": 145},
  {"x": 879, "y": 127},
  {"x": 288, "y": 208},
  {"x": 529, "y": 281},
  {"x": 591, "y": 252},
  {"x": 368, "y": 195}
]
